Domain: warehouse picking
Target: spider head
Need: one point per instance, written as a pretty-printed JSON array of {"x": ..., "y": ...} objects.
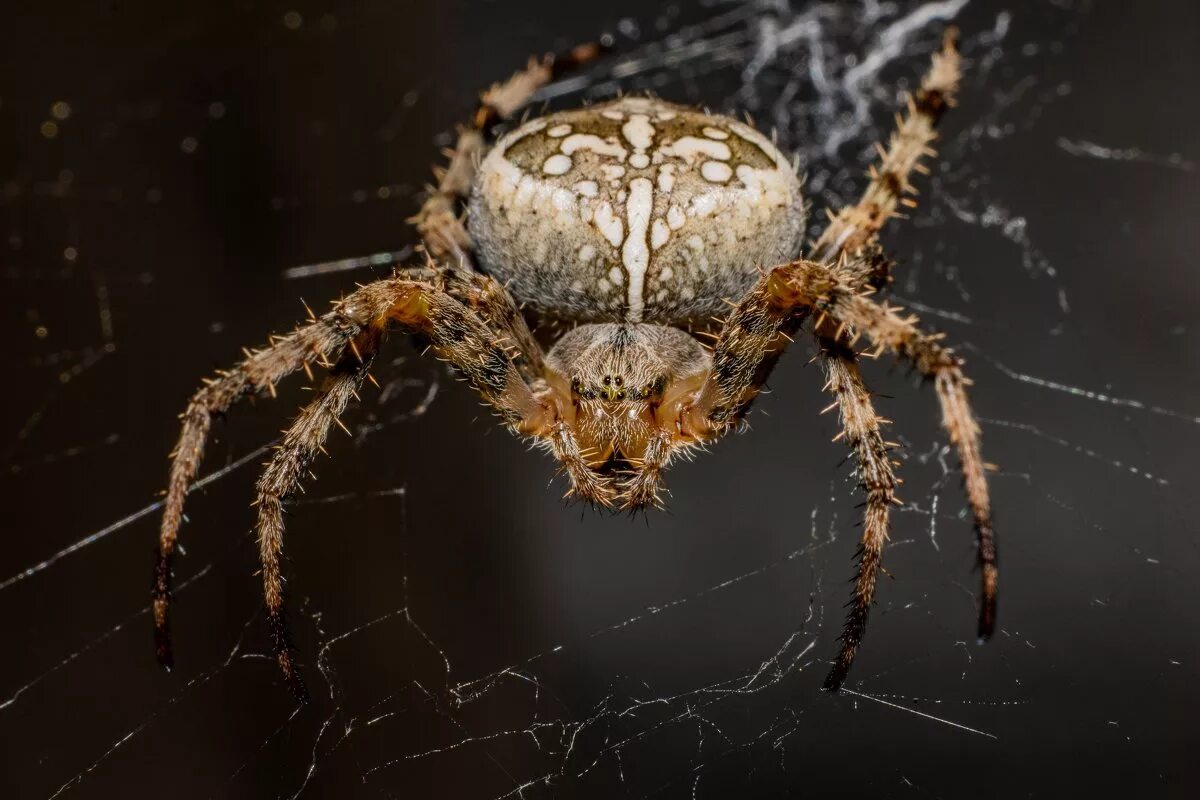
[{"x": 619, "y": 388}]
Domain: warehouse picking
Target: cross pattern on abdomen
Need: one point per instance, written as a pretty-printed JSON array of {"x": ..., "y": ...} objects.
[{"x": 634, "y": 210}]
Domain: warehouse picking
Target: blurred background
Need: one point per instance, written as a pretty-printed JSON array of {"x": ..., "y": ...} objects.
[{"x": 174, "y": 178}]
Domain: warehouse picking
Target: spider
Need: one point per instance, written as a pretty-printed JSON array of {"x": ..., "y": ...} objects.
[{"x": 632, "y": 224}]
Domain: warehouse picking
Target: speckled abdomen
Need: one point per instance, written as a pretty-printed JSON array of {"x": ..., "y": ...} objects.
[{"x": 635, "y": 210}]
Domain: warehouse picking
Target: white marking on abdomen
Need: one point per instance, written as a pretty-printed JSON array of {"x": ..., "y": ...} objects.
[
  {"x": 638, "y": 131},
  {"x": 589, "y": 141},
  {"x": 716, "y": 171},
  {"x": 557, "y": 164},
  {"x": 666, "y": 178},
  {"x": 608, "y": 225},
  {"x": 635, "y": 255},
  {"x": 689, "y": 147},
  {"x": 612, "y": 172},
  {"x": 675, "y": 218},
  {"x": 660, "y": 232}
]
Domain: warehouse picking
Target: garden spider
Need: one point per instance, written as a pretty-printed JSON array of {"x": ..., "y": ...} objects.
[{"x": 636, "y": 221}]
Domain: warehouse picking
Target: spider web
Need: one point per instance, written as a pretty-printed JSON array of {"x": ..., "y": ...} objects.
[{"x": 463, "y": 633}]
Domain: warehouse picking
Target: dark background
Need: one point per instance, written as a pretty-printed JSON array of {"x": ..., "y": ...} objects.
[{"x": 464, "y": 632}]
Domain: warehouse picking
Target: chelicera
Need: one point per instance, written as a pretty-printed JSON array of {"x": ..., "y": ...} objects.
[{"x": 669, "y": 245}]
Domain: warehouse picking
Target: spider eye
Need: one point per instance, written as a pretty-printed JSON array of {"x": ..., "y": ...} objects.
[{"x": 607, "y": 380}]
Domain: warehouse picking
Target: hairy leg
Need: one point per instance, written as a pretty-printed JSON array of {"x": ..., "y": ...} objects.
[
  {"x": 861, "y": 429},
  {"x": 856, "y": 227},
  {"x": 854, "y": 232},
  {"x": 258, "y": 372},
  {"x": 438, "y": 222},
  {"x": 495, "y": 305},
  {"x": 488, "y": 298},
  {"x": 886, "y": 329},
  {"x": 781, "y": 299},
  {"x": 301, "y": 442},
  {"x": 455, "y": 332}
]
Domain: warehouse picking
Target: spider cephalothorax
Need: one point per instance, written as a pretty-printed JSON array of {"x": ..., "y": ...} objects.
[
  {"x": 636, "y": 226},
  {"x": 621, "y": 388}
]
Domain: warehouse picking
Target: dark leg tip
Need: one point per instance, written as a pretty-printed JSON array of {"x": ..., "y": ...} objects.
[
  {"x": 836, "y": 677},
  {"x": 987, "y": 620},
  {"x": 298, "y": 688},
  {"x": 162, "y": 648}
]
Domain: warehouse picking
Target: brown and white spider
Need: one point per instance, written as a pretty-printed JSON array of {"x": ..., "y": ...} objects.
[{"x": 636, "y": 222}]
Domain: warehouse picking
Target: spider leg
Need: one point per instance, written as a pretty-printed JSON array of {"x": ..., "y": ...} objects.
[
  {"x": 861, "y": 429},
  {"x": 454, "y": 332},
  {"x": 748, "y": 341},
  {"x": 854, "y": 230},
  {"x": 855, "y": 227},
  {"x": 258, "y": 372},
  {"x": 301, "y": 442},
  {"x": 438, "y": 221},
  {"x": 496, "y": 306},
  {"x": 886, "y": 329}
]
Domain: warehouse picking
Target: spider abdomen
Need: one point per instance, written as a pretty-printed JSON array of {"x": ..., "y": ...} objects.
[{"x": 636, "y": 210}]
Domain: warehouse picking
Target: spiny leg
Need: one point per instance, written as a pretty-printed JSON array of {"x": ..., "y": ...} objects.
[
  {"x": 854, "y": 231},
  {"x": 742, "y": 361},
  {"x": 752, "y": 332},
  {"x": 750, "y": 343},
  {"x": 861, "y": 429},
  {"x": 301, "y": 442},
  {"x": 457, "y": 335},
  {"x": 438, "y": 221},
  {"x": 259, "y": 371},
  {"x": 491, "y": 301},
  {"x": 855, "y": 227},
  {"x": 455, "y": 332},
  {"x": 496, "y": 306},
  {"x": 886, "y": 329},
  {"x": 752, "y": 339},
  {"x": 783, "y": 298},
  {"x": 488, "y": 298}
]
